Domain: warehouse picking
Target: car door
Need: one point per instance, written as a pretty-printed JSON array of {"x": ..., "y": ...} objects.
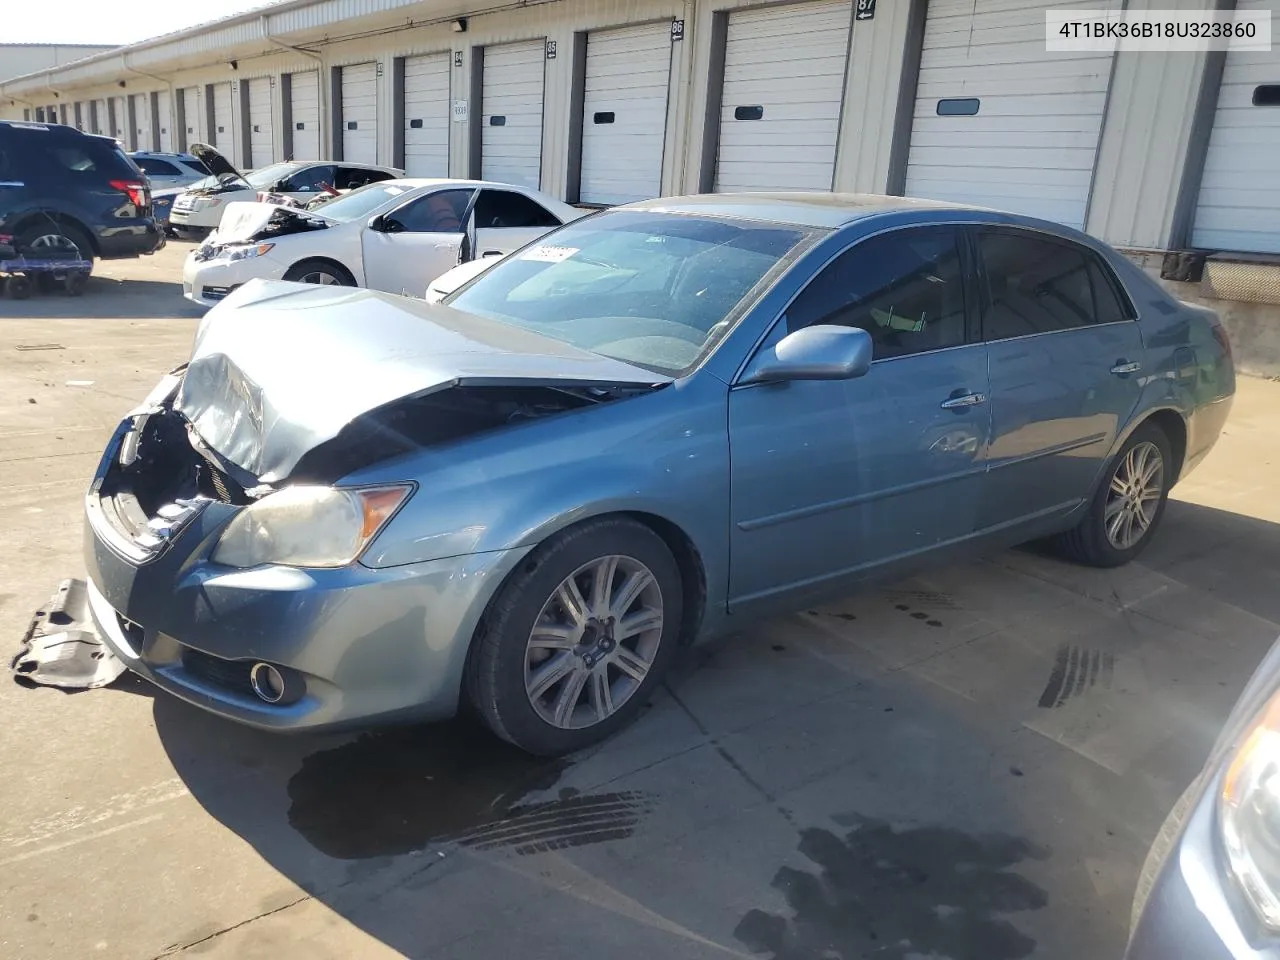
[
  {"x": 1066, "y": 356},
  {"x": 837, "y": 479},
  {"x": 505, "y": 220},
  {"x": 408, "y": 247}
]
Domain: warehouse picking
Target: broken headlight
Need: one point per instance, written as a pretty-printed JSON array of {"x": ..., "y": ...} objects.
[
  {"x": 1249, "y": 815},
  {"x": 309, "y": 526},
  {"x": 246, "y": 253}
]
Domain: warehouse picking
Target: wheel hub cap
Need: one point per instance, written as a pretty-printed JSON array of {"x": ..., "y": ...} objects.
[
  {"x": 594, "y": 642},
  {"x": 1137, "y": 486}
]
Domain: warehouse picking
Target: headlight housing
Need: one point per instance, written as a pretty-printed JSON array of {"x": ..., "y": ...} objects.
[
  {"x": 1249, "y": 815},
  {"x": 309, "y": 526},
  {"x": 245, "y": 253}
]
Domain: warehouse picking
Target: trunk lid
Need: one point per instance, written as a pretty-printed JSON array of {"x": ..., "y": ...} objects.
[{"x": 279, "y": 368}]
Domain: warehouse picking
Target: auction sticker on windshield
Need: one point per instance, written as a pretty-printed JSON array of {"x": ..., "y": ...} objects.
[{"x": 549, "y": 254}]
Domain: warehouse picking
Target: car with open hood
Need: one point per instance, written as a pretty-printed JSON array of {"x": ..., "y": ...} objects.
[
  {"x": 659, "y": 423},
  {"x": 199, "y": 209},
  {"x": 396, "y": 236}
]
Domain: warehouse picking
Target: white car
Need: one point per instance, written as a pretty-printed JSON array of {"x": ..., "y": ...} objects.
[
  {"x": 395, "y": 236},
  {"x": 199, "y": 210}
]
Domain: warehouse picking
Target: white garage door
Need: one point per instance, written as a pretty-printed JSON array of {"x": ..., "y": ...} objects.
[
  {"x": 120, "y": 119},
  {"x": 193, "y": 132},
  {"x": 511, "y": 113},
  {"x": 304, "y": 104},
  {"x": 142, "y": 122},
  {"x": 426, "y": 115},
  {"x": 1000, "y": 123},
  {"x": 222, "y": 124},
  {"x": 624, "y": 113},
  {"x": 1239, "y": 204},
  {"x": 260, "y": 141},
  {"x": 98, "y": 117},
  {"x": 167, "y": 139},
  {"x": 360, "y": 113},
  {"x": 784, "y": 71}
]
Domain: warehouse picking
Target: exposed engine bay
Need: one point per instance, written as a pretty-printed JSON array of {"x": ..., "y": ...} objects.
[{"x": 249, "y": 222}]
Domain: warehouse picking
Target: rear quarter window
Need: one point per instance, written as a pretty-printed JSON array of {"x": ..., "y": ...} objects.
[{"x": 87, "y": 157}]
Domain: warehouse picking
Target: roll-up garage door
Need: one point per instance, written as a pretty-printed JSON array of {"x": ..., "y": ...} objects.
[
  {"x": 511, "y": 113},
  {"x": 261, "y": 145},
  {"x": 1239, "y": 204},
  {"x": 222, "y": 123},
  {"x": 998, "y": 121},
  {"x": 98, "y": 117},
  {"x": 193, "y": 132},
  {"x": 167, "y": 139},
  {"x": 304, "y": 104},
  {"x": 426, "y": 115},
  {"x": 120, "y": 119},
  {"x": 142, "y": 122},
  {"x": 624, "y": 113},
  {"x": 360, "y": 113},
  {"x": 784, "y": 70}
]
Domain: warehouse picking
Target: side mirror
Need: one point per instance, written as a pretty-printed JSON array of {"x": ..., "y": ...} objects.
[
  {"x": 376, "y": 223},
  {"x": 823, "y": 352}
]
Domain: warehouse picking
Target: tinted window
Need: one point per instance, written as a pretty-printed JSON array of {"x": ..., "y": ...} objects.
[
  {"x": 1036, "y": 285},
  {"x": 440, "y": 212},
  {"x": 196, "y": 166},
  {"x": 501, "y": 208},
  {"x": 1109, "y": 306},
  {"x": 310, "y": 180},
  {"x": 905, "y": 288},
  {"x": 157, "y": 168},
  {"x": 76, "y": 156},
  {"x": 349, "y": 178}
]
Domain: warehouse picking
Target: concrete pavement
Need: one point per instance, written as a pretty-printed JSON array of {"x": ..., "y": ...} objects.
[{"x": 968, "y": 765}]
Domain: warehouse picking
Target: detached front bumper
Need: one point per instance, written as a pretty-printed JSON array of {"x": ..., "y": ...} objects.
[{"x": 369, "y": 644}]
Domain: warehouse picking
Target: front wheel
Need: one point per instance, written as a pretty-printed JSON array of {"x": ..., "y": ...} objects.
[
  {"x": 322, "y": 272},
  {"x": 1128, "y": 505},
  {"x": 575, "y": 643}
]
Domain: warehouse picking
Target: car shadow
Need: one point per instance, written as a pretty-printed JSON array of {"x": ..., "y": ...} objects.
[
  {"x": 106, "y": 298},
  {"x": 785, "y": 796}
]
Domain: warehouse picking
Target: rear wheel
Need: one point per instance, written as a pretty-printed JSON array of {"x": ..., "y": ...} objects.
[
  {"x": 1128, "y": 505},
  {"x": 323, "y": 272},
  {"x": 54, "y": 240},
  {"x": 575, "y": 643}
]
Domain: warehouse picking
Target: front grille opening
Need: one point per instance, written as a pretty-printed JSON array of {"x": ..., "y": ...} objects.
[{"x": 229, "y": 675}]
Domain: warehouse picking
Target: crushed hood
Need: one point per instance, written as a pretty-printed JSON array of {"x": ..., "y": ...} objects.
[
  {"x": 218, "y": 165},
  {"x": 279, "y": 368}
]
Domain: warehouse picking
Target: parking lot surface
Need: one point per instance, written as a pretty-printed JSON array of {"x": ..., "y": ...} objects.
[{"x": 969, "y": 764}]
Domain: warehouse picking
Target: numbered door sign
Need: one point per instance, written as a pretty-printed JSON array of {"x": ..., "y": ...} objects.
[
  {"x": 457, "y": 58},
  {"x": 551, "y": 49},
  {"x": 866, "y": 10},
  {"x": 677, "y": 30}
]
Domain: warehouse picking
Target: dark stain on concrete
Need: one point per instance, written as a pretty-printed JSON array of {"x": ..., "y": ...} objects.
[
  {"x": 899, "y": 893},
  {"x": 1075, "y": 671},
  {"x": 396, "y": 791}
]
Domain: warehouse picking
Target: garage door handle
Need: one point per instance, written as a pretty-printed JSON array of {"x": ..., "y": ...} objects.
[
  {"x": 1124, "y": 367},
  {"x": 963, "y": 401}
]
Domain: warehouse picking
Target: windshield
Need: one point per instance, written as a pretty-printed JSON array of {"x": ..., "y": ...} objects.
[
  {"x": 266, "y": 176},
  {"x": 360, "y": 202},
  {"x": 652, "y": 289}
]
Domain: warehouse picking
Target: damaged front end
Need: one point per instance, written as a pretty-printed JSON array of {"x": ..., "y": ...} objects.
[{"x": 250, "y": 229}]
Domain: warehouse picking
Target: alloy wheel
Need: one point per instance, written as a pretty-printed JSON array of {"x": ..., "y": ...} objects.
[
  {"x": 1134, "y": 496},
  {"x": 594, "y": 642},
  {"x": 321, "y": 277}
]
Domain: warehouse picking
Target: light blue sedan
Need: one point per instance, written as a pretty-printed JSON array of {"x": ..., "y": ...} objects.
[{"x": 655, "y": 424}]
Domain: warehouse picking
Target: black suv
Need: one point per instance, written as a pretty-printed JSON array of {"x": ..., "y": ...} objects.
[{"x": 60, "y": 188}]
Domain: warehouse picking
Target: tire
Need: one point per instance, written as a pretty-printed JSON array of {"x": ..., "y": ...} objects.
[
  {"x": 53, "y": 236},
  {"x": 1161, "y": 847},
  {"x": 303, "y": 271},
  {"x": 1089, "y": 542},
  {"x": 17, "y": 287},
  {"x": 506, "y": 664}
]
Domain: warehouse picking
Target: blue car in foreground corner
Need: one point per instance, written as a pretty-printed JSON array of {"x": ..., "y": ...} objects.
[{"x": 654, "y": 424}]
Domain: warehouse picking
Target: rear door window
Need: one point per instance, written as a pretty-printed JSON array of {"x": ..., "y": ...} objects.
[
  {"x": 310, "y": 180},
  {"x": 349, "y": 178},
  {"x": 1037, "y": 284},
  {"x": 157, "y": 168},
  {"x": 504, "y": 208}
]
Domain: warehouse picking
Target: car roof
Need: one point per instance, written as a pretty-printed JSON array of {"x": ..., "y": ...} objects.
[
  {"x": 809, "y": 209},
  {"x": 415, "y": 183},
  {"x": 341, "y": 163}
]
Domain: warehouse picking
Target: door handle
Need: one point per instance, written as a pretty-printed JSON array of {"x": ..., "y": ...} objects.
[
  {"x": 963, "y": 400},
  {"x": 1123, "y": 367}
]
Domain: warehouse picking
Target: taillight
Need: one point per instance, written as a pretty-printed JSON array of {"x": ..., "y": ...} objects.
[
  {"x": 1224, "y": 341},
  {"x": 134, "y": 189}
]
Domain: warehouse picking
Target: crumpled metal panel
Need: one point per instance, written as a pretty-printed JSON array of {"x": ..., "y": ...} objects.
[
  {"x": 62, "y": 647},
  {"x": 1244, "y": 282}
]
